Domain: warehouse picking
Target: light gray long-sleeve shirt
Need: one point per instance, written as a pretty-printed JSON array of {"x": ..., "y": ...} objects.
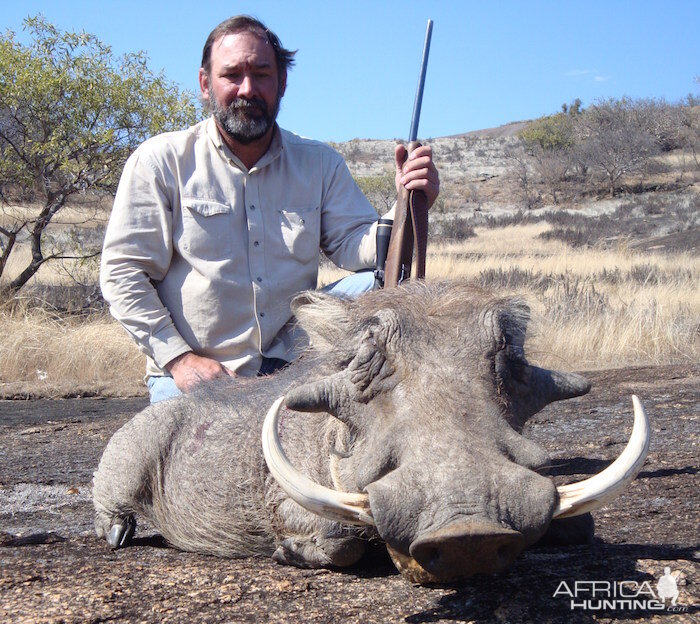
[{"x": 203, "y": 254}]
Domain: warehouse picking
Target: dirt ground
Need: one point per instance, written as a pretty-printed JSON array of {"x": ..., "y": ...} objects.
[{"x": 53, "y": 568}]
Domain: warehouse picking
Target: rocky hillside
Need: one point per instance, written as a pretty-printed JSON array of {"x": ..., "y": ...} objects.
[
  {"x": 463, "y": 160},
  {"x": 489, "y": 173}
]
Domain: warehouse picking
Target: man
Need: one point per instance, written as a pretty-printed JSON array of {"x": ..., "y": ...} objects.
[{"x": 215, "y": 228}]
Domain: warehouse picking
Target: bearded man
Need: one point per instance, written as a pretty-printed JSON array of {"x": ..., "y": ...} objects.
[{"x": 215, "y": 228}]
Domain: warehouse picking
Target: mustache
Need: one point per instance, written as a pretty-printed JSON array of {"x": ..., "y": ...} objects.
[{"x": 244, "y": 104}]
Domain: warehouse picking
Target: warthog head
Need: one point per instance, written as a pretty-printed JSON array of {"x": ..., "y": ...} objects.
[{"x": 432, "y": 388}]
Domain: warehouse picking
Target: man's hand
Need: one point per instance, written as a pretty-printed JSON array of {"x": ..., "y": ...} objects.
[
  {"x": 190, "y": 369},
  {"x": 417, "y": 172}
]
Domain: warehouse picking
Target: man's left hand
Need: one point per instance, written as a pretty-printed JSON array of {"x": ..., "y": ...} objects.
[{"x": 418, "y": 171}]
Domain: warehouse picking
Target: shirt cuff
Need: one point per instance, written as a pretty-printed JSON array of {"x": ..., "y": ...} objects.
[{"x": 166, "y": 345}]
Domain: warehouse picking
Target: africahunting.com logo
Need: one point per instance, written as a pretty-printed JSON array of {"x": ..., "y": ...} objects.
[{"x": 623, "y": 595}]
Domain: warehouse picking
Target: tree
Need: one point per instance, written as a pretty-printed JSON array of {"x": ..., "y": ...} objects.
[
  {"x": 520, "y": 172},
  {"x": 552, "y": 167},
  {"x": 613, "y": 140},
  {"x": 70, "y": 114},
  {"x": 663, "y": 121},
  {"x": 575, "y": 108},
  {"x": 550, "y": 141},
  {"x": 379, "y": 190}
]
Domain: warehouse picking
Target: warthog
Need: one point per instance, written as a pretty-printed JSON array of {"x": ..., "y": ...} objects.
[{"x": 402, "y": 421}]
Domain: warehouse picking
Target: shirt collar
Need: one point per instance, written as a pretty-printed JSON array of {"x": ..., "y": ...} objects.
[{"x": 272, "y": 153}]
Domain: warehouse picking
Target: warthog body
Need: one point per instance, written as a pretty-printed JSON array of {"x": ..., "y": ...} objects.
[{"x": 428, "y": 389}]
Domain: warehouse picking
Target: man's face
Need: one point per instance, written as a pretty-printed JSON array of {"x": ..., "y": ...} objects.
[{"x": 242, "y": 86}]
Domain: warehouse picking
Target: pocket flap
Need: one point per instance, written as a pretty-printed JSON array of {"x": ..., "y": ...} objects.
[{"x": 205, "y": 207}]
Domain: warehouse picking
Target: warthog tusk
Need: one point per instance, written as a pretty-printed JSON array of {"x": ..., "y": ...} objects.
[
  {"x": 346, "y": 507},
  {"x": 578, "y": 498}
]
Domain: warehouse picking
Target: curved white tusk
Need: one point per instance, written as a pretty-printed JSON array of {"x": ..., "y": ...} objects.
[
  {"x": 578, "y": 498},
  {"x": 346, "y": 507}
]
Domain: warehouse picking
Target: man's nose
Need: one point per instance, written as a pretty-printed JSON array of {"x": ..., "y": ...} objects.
[{"x": 246, "y": 88}]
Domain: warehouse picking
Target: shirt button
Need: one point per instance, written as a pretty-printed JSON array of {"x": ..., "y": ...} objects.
[
  {"x": 262, "y": 314},
  {"x": 259, "y": 279},
  {"x": 256, "y": 244},
  {"x": 252, "y": 207}
]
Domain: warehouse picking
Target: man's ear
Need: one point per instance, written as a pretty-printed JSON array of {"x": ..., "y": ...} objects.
[
  {"x": 204, "y": 83},
  {"x": 283, "y": 84}
]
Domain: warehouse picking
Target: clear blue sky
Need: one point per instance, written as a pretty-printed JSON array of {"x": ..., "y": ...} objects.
[{"x": 357, "y": 66}]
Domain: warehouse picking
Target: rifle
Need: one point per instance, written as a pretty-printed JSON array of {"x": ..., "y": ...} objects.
[{"x": 411, "y": 215}]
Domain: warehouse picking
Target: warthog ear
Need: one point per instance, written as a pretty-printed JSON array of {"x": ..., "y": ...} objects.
[
  {"x": 528, "y": 387},
  {"x": 508, "y": 323},
  {"x": 323, "y": 317},
  {"x": 553, "y": 385}
]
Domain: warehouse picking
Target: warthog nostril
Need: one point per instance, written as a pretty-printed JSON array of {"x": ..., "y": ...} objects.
[
  {"x": 466, "y": 548},
  {"x": 432, "y": 556}
]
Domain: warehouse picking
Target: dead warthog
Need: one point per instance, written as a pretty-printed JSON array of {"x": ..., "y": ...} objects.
[{"x": 402, "y": 421}]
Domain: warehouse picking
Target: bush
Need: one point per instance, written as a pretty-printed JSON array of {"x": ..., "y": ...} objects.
[
  {"x": 517, "y": 218},
  {"x": 553, "y": 132},
  {"x": 512, "y": 279},
  {"x": 571, "y": 298},
  {"x": 452, "y": 230}
]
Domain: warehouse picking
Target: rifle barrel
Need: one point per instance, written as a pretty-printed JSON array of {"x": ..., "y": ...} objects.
[{"x": 413, "y": 134}]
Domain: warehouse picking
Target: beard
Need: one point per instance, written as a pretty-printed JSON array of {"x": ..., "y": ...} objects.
[{"x": 245, "y": 120}]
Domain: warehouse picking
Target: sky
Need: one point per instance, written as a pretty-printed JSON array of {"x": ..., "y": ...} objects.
[{"x": 357, "y": 66}]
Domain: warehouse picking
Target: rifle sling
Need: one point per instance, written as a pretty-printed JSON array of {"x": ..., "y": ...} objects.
[{"x": 410, "y": 227}]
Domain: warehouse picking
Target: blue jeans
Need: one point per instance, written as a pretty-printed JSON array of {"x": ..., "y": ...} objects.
[
  {"x": 163, "y": 387},
  {"x": 351, "y": 286}
]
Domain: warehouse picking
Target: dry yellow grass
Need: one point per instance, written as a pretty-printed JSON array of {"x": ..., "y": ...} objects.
[
  {"x": 519, "y": 247},
  {"x": 46, "y": 355},
  {"x": 90, "y": 214},
  {"x": 587, "y": 313}
]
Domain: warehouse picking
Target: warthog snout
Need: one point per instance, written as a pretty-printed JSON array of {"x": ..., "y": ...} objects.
[{"x": 463, "y": 549}]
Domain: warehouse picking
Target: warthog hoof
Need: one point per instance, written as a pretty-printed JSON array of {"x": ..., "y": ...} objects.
[
  {"x": 313, "y": 551},
  {"x": 121, "y": 533}
]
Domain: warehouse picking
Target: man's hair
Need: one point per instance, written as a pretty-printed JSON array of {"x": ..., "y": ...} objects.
[{"x": 246, "y": 23}]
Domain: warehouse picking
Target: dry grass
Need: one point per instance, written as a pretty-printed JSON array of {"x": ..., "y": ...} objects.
[
  {"x": 43, "y": 354},
  {"x": 593, "y": 308},
  {"x": 520, "y": 247}
]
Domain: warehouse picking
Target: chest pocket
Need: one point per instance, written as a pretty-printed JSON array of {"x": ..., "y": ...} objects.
[
  {"x": 301, "y": 231},
  {"x": 207, "y": 229}
]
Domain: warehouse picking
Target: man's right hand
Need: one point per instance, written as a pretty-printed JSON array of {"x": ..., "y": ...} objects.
[{"x": 190, "y": 369}]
